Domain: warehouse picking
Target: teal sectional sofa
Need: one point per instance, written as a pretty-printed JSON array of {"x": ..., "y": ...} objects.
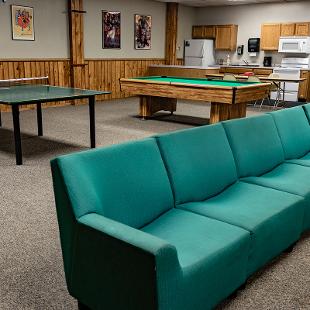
[{"x": 181, "y": 220}]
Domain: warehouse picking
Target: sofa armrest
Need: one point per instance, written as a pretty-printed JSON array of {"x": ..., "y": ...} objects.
[
  {"x": 118, "y": 267},
  {"x": 127, "y": 234}
]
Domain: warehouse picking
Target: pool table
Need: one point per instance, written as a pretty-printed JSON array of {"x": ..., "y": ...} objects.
[{"x": 228, "y": 99}]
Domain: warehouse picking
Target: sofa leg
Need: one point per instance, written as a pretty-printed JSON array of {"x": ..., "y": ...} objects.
[
  {"x": 290, "y": 248},
  {"x": 82, "y": 306}
]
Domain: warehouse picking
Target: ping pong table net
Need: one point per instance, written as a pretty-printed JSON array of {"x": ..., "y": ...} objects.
[{"x": 25, "y": 81}]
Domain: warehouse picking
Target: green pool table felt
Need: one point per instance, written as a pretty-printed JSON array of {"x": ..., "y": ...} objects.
[{"x": 197, "y": 81}]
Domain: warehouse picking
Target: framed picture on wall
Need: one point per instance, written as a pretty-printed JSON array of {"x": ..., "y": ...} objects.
[
  {"x": 111, "y": 29},
  {"x": 143, "y": 29},
  {"x": 22, "y": 23}
]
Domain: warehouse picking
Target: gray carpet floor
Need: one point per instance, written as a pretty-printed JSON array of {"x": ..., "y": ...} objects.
[{"x": 31, "y": 271}]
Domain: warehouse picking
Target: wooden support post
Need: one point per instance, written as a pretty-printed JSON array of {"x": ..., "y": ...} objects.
[
  {"x": 171, "y": 33},
  {"x": 76, "y": 27}
]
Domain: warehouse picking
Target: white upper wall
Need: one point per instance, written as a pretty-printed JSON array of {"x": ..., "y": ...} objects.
[
  {"x": 51, "y": 31},
  {"x": 93, "y": 28},
  {"x": 249, "y": 18},
  {"x": 187, "y": 18}
]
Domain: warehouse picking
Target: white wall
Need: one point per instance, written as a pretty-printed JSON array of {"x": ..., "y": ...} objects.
[
  {"x": 93, "y": 28},
  {"x": 249, "y": 18},
  {"x": 187, "y": 18},
  {"x": 51, "y": 31}
]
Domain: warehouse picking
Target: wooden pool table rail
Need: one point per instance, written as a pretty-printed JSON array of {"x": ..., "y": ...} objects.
[{"x": 226, "y": 102}]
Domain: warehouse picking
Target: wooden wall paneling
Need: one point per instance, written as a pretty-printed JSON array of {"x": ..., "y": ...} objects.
[
  {"x": 97, "y": 74},
  {"x": 171, "y": 32},
  {"x": 56, "y": 69}
]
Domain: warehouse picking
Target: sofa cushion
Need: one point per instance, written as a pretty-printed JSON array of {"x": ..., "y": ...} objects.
[
  {"x": 289, "y": 178},
  {"x": 304, "y": 161},
  {"x": 273, "y": 218},
  {"x": 212, "y": 254},
  {"x": 127, "y": 183},
  {"x": 294, "y": 131},
  {"x": 307, "y": 110},
  {"x": 199, "y": 161},
  {"x": 255, "y": 143}
]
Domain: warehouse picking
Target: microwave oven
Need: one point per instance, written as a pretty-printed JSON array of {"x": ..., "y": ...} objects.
[{"x": 296, "y": 45}]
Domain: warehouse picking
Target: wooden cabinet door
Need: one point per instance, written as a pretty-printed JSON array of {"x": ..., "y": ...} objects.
[
  {"x": 304, "y": 85},
  {"x": 302, "y": 29},
  {"x": 226, "y": 37},
  {"x": 203, "y": 32},
  {"x": 270, "y": 35},
  {"x": 209, "y": 32},
  {"x": 288, "y": 30},
  {"x": 198, "y": 32}
]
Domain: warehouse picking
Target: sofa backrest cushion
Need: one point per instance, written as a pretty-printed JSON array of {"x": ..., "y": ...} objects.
[
  {"x": 255, "y": 143},
  {"x": 127, "y": 182},
  {"x": 307, "y": 110},
  {"x": 199, "y": 162},
  {"x": 294, "y": 130}
]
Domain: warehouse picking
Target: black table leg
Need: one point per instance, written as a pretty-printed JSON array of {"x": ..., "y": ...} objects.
[
  {"x": 39, "y": 119},
  {"x": 0, "y": 119},
  {"x": 18, "y": 144},
  {"x": 92, "y": 125}
]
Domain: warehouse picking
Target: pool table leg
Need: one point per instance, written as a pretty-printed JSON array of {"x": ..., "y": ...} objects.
[
  {"x": 222, "y": 112},
  {"x": 150, "y": 105}
]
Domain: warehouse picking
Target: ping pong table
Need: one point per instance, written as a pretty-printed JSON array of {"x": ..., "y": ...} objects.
[{"x": 16, "y": 95}]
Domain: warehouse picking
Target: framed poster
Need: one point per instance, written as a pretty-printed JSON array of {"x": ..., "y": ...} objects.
[
  {"x": 143, "y": 27},
  {"x": 111, "y": 29},
  {"x": 22, "y": 23}
]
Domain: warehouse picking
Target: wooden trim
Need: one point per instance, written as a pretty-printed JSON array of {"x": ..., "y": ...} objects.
[
  {"x": 171, "y": 32},
  {"x": 33, "y": 59},
  {"x": 76, "y": 27},
  {"x": 86, "y": 59},
  {"x": 127, "y": 59}
]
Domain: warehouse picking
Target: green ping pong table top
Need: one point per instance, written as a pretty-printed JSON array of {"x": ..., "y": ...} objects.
[
  {"x": 35, "y": 93},
  {"x": 196, "y": 81}
]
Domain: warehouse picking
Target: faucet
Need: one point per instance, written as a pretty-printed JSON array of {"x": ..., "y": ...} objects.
[{"x": 245, "y": 61}]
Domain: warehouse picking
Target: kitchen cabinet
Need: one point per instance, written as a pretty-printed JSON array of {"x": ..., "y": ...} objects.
[
  {"x": 302, "y": 29},
  {"x": 288, "y": 29},
  {"x": 226, "y": 37},
  {"x": 295, "y": 29},
  {"x": 270, "y": 35},
  {"x": 259, "y": 71},
  {"x": 198, "y": 32},
  {"x": 203, "y": 32}
]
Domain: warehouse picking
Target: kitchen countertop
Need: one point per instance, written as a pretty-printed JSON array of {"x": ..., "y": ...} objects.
[
  {"x": 219, "y": 66},
  {"x": 187, "y": 67},
  {"x": 248, "y": 67}
]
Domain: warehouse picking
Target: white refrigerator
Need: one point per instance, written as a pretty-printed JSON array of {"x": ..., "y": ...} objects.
[{"x": 199, "y": 53}]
